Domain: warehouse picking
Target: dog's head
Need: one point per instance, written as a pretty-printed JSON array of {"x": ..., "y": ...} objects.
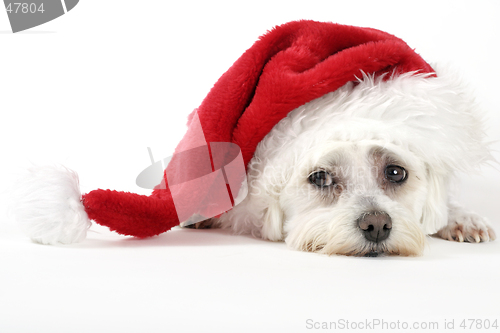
[{"x": 365, "y": 170}]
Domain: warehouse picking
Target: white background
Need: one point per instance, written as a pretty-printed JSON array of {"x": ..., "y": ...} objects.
[{"x": 94, "y": 88}]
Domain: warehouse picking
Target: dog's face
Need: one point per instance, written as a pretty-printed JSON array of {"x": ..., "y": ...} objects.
[
  {"x": 363, "y": 170},
  {"x": 356, "y": 199}
]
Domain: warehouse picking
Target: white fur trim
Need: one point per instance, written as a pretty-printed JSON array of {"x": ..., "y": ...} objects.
[{"x": 48, "y": 206}]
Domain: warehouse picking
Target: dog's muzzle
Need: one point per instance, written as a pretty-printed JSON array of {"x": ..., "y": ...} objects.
[{"x": 376, "y": 226}]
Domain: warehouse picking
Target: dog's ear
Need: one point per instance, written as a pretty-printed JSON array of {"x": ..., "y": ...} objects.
[
  {"x": 268, "y": 194},
  {"x": 272, "y": 227},
  {"x": 260, "y": 213},
  {"x": 435, "y": 209}
]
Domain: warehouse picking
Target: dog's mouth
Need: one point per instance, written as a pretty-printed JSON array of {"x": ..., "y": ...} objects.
[
  {"x": 375, "y": 250},
  {"x": 372, "y": 253},
  {"x": 367, "y": 250},
  {"x": 369, "y": 254}
]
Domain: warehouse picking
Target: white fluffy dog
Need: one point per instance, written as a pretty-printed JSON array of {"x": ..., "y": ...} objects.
[{"x": 366, "y": 170}]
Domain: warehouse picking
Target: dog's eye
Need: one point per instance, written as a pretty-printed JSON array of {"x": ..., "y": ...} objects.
[
  {"x": 395, "y": 174},
  {"x": 321, "y": 179}
]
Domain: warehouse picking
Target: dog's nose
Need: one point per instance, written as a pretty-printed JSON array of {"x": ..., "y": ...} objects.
[{"x": 376, "y": 226}]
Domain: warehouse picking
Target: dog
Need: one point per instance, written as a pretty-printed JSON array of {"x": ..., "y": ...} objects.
[{"x": 366, "y": 170}]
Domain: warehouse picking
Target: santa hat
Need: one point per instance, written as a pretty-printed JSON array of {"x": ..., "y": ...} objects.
[{"x": 287, "y": 67}]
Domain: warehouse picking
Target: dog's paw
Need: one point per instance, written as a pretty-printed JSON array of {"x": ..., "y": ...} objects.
[{"x": 467, "y": 227}]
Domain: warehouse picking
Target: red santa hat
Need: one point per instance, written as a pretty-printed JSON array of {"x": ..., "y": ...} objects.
[{"x": 287, "y": 67}]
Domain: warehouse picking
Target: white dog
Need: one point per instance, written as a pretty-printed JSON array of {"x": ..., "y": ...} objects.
[{"x": 366, "y": 170}]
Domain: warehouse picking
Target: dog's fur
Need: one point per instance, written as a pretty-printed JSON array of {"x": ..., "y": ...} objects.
[{"x": 429, "y": 126}]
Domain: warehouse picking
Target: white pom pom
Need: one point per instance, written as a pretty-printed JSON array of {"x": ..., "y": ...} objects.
[{"x": 47, "y": 204}]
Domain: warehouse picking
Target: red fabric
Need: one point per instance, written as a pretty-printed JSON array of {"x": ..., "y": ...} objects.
[
  {"x": 130, "y": 213},
  {"x": 289, "y": 66}
]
